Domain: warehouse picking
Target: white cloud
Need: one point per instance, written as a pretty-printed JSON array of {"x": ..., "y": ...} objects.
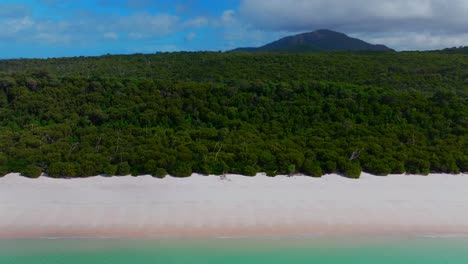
[
  {"x": 11, "y": 10},
  {"x": 228, "y": 17},
  {"x": 19, "y": 24},
  {"x": 153, "y": 49},
  {"x": 197, "y": 22},
  {"x": 236, "y": 33},
  {"x": 190, "y": 36},
  {"x": 52, "y": 38},
  {"x": 17, "y": 29},
  {"x": 357, "y": 14},
  {"x": 394, "y": 18},
  {"x": 88, "y": 27},
  {"x": 147, "y": 25},
  {"x": 30, "y": 30},
  {"x": 418, "y": 40},
  {"x": 111, "y": 35},
  {"x": 134, "y": 35}
]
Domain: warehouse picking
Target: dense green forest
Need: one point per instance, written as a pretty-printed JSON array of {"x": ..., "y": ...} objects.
[
  {"x": 215, "y": 113},
  {"x": 459, "y": 50}
]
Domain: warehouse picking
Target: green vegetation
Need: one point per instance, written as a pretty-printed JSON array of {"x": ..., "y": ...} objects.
[
  {"x": 215, "y": 113},
  {"x": 455, "y": 50},
  {"x": 31, "y": 171}
]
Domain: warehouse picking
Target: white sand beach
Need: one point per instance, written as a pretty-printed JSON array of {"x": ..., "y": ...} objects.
[{"x": 205, "y": 206}]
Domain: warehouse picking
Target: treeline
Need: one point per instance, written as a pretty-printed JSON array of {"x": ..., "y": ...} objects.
[
  {"x": 454, "y": 50},
  {"x": 423, "y": 71},
  {"x": 215, "y": 113}
]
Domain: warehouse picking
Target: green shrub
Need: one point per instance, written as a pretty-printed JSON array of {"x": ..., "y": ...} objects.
[
  {"x": 378, "y": 167},
  {"x": 312, "y": 168},
  {"x": 219, "y": 168},
  {"x": 88, "y": 168},
  {"x": 462, "y": 163},
  {"x": 249, "y": 171},
  {"x": 425, "y": 171},
  {"x": 135, "y": 172},
  {"x": 31, "y": 171},
  {"x": 396, "y": 167},
  {"x": 453, "y": 168},
  {"x": 330, "y": 166},
  {"x": 150, "y": 167},
  {"x": 62, "y": 169},
  {"x": 3, "y": 159},
  {"x": 181, "y": 170},
  {"x": 352, "y": 170},
  {"x": 160, "y": 173},
  {"x": 110, "y": 170},
  {"x": 17, "y": 165},
  {"x": 3, "y": 171},
  {"x": 417, "y": 166},
  {"x": 123, "y": 169}
]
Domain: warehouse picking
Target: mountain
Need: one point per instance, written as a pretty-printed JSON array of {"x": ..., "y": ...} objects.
[{"x": 320, "y": 40}]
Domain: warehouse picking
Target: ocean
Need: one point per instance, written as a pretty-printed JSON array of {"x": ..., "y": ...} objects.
[{"x": 286, "y": 250}]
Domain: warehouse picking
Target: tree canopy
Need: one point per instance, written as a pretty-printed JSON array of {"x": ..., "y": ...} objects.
[{"x": 215, "y": 113}]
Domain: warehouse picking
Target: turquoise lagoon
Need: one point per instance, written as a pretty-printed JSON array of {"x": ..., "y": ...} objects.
[{"x": 430, "y": 250}]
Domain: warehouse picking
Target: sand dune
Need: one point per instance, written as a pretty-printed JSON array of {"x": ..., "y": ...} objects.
[{"x": 206, "y": 206}]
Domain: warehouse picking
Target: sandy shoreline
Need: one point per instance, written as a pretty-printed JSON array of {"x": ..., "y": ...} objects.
[{"x": 205, "y": 206}]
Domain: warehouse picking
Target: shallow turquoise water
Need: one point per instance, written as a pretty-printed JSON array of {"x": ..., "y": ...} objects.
[{"x": 245, "y": 251}]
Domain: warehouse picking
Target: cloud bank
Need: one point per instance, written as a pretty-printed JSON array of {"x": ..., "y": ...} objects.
[
  {"x": 88, "y": 28},
  {"x": 431, "y": 21}
]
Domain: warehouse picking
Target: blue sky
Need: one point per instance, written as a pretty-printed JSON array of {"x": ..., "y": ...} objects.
[{"x": 54, "y": 28}]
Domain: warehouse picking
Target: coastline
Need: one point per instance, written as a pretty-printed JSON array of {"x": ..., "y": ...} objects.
[{"x": 205, "y": 206}]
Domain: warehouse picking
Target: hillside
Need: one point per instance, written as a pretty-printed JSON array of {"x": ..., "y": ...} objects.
[
  {"x": 320, "y": 40},
  {"x": 459, "y": 50},
  {"x": 214, "y": 113}
]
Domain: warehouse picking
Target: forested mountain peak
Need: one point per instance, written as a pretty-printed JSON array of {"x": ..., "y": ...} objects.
[{"x": 316, "y": 41}]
